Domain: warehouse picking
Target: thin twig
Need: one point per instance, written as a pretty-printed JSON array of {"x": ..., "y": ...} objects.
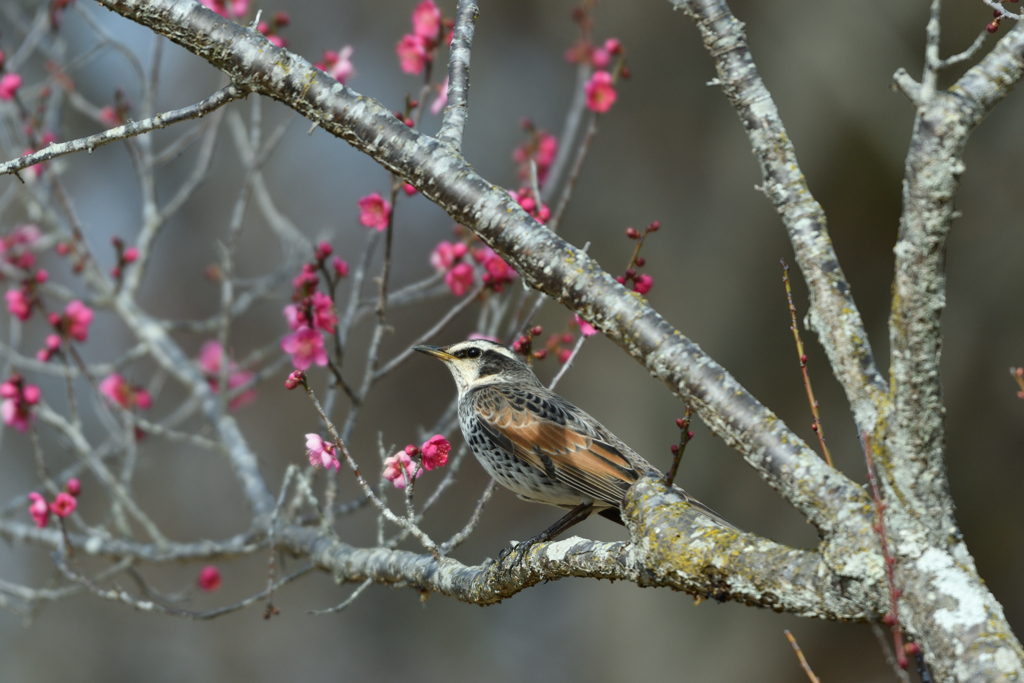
[
  {"x": 800, "y": 656},
  {"x": 211, "y": 103},
  {"x": 893, "y": 617},
  {"x": 817, "y": 427}
]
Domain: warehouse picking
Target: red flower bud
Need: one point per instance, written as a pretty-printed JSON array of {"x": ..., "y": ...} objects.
[
  {"x": 540, "y": 354},
  {"x": 679, "y": 422},
  {"x": 536, "y": 330},
  {"x": 631, "y": 233},
  {"x": 653, "y": 227},
  {"x": 641, "y": 261}
]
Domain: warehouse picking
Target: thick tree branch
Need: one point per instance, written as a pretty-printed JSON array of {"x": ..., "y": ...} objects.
[
  {"x": 915, "y": 431},
  {"x": 689, "y": 554},
  {"x": 833, "y": 312}
]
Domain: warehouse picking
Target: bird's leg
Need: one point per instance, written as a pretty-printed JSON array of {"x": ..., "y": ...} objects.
[{"x": 571, "y": 519}]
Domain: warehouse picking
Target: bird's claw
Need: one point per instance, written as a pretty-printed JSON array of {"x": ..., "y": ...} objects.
[{"x": 516, "y": 553}]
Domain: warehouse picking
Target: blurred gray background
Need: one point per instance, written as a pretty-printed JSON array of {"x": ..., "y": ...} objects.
[{"x": 671, "y": 149}]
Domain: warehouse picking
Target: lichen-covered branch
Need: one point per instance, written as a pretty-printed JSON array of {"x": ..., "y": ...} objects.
[
  {"x": 833, "y": 313},
  {"x": 915, "y": 430}
]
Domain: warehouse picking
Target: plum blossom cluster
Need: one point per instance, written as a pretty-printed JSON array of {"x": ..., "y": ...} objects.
[
  {"x": 447, "y": 258},
  {"x": 417, "y": 49},
  {"x": 16, "y": 249},
  {"x": 641, "y": 283},
  {"x": 408, "y": 464},
  {"x": 74, "y": 322},
  {"x": 524, "y": 197},
  {"x": 558, "y": 345},
  {"x": 524, "y": 344},
  {"x": 459, "y": 274},
  {"x": 16, "y": 246},
  {"x": 63, "y": 504},
  {"x": 18, "y": 398},
  {"x": 600, "y": 89},
  {"x": 497, "y": 273},
  {"x": 121, "y": 392},
  {"x": 541, "y": 148},
  {"x": 312, "y": 312},
  {"x": 211, "y": 355}
]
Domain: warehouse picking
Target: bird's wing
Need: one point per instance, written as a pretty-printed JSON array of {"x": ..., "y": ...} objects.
[{"x": 535, "y": 429}]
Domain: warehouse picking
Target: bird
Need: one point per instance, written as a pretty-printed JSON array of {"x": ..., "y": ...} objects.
[{"x": 536, "y": 443}]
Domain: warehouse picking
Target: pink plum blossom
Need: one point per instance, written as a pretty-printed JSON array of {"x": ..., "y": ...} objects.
[
  {"x": 338, "y": 64},
  {"x": 17, "y": 398},
  {"x": 497, "y": 271},
  {"x": 38, "y": 509},
  {"x": 412, "y": 53},
  {"x": 209, "y": 579},
  {"x": 63, "y": 505},
  {"x": 435, "y": 452},
  {"x": 600, "y": 58},
  {"x": 446, "y": 254},
  {"x": 374, "y": 211},
  {"x": 586, "y": 329},
  {"x": 340, "y": 267},
  {"x": 426, "y": 20},
  {"x": 74, "y": 486},
  {"x": 117, "y": 389},
  {"x": 18, "y": 304},
  {"x": 31, "y": 394},
  {"x": 460, "y": 278},
  {"x": 210, "y": 358},
  {"x": 321, "y": 453},
  {"x": 306, "y": 347},
  {"x": 400, "y": 468},
  {"x": 9, "y": 84},
  {"x": 77, "y": 317},
  {"x": 600, "y": 92}
]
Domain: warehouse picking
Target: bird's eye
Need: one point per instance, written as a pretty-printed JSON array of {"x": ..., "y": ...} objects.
[{"x": 472, "y": 353}]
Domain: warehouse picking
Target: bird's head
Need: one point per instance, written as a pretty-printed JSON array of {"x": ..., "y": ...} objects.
[{"x": 478, "y": 362}]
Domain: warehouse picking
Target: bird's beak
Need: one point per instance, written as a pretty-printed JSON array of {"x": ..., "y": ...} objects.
[{"x": 435, "y": 351}]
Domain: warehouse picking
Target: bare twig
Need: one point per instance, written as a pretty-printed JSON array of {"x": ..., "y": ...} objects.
[{"x": 87, "y": 144}]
